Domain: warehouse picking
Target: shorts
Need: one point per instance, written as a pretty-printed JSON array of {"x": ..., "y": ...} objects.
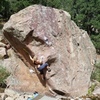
[{"x": 41, "y": 68}]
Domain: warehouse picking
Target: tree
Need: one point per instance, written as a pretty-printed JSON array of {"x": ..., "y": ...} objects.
[
  {"x": 4, "y": 8},
  {"x": 86, "y": 14},
  {"x": 96, "y": 41},
  {"x": 17, "y": 5}
]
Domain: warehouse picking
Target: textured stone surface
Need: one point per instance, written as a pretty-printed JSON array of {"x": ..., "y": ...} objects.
[
  {"x": 10, "y": 94},
  {"x": 97, "y": 92},
  {"x": 57, "y": 38}
]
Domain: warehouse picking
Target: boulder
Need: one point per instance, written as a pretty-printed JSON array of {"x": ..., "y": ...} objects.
[{"x": 49, "y": 34}]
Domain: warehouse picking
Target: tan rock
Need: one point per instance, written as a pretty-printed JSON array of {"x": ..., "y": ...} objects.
[
  {"x": 97, "y": 92},
  {"x": 9, "y": 98},
  {"x": 68, "y": 50}
]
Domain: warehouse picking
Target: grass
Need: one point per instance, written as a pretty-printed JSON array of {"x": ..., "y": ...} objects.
[
  {"x": 1, "y": 26},
  {"x": 96, "y": 73},
  {"x": 3, "y": 74},
  {"x": 1, "y": 90},
  {"x": 91, "y": 89}
]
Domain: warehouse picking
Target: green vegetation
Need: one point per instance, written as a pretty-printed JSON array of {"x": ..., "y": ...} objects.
[
  {"x": 96, "y": 41},
  {"x": 3, "y": 75},
  {"x": 91, "y": 89},
  {"x": 96, "y": 73},
  {"x": 86, "y": 13},
  {"x": 1, "y": 26},
  {"x": 91, "y": 97}
]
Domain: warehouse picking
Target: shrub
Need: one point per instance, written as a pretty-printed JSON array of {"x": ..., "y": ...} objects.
[
  {"x": 3, "y": 74},
  {"x": 96, "y": 73},
  {"x": 91, "y": 89},
  {"x": 1, "y": 26}
]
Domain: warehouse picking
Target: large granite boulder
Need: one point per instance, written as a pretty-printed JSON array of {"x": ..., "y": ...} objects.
[{"x": 51, "y": 34}]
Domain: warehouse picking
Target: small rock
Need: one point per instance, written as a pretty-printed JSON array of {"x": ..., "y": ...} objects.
[
  {"x": 10, "y": 92},
  {"x": 88, "y": 99},
  {"x": 96, "y": 91},
  {"x": 9, "y": 98}
]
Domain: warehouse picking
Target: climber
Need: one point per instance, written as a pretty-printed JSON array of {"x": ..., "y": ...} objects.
[
  {"x": 41, "y": 67},
  {"x": 7, "y": 46}
]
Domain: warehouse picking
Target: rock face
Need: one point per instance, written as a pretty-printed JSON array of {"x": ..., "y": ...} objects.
[{"x": 51, "y": 34}]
